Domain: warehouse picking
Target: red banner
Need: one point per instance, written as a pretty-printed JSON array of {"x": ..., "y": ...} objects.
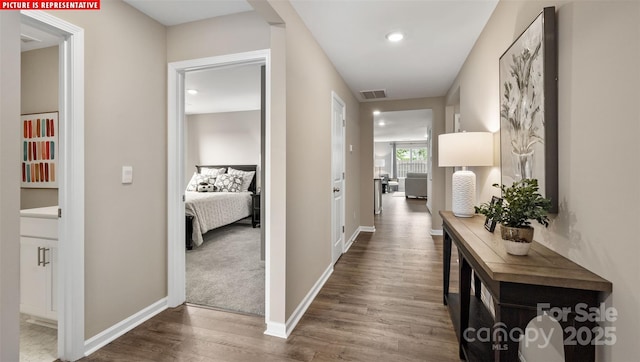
[{"x": 50, "y": 5}]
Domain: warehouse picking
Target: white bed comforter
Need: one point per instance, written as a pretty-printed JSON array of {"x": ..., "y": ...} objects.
[{"x": 211, "y": 210}]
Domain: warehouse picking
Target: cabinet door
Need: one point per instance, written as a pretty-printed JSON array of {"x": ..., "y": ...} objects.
[
  {"x": 38, "y": 282},
  {"x": 33, "y": 278}
]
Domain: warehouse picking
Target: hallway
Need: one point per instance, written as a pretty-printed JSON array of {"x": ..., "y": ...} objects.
[{"x": 383, "y": 302}]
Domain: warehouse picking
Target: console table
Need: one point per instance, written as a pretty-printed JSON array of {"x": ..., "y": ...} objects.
[{"x": 517, "y": 285}]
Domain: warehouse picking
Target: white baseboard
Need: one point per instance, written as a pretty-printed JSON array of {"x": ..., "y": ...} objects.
[
  {"x": 306, "y": 302},
  {"x": 436, "y": 232},
  {"x": 347, "y": 246},
  {"x": 276, "y": 330},
  {"x": 352, "y": 239},
  {"x": 110, "y": 334},
  {"x": 368, "y": 229}
]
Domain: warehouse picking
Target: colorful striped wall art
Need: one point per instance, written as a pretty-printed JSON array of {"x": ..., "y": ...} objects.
[{"x": 39, "y": 150}]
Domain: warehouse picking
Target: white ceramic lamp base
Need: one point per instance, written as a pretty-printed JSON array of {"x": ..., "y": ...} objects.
[{"x": 463, "y": 193}]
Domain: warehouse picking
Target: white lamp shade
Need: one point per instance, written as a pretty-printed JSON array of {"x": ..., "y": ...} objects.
[
  {"x": 465, "y": 149},
  {"x": 379, "y": 162}
]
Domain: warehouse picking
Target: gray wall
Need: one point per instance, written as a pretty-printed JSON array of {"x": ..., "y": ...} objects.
[
  {"x": 125, "y": 124},
  {"x": 210, "y": 37},
  {"x": 310, "y": 78},
  {"x": 598, "y": 58},
  {"x": 39, "y": 94}
]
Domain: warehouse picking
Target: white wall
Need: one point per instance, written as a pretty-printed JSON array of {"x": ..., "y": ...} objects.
[
  {"x": 222, "y": 139},
  {"x": 599, "y": 120}
]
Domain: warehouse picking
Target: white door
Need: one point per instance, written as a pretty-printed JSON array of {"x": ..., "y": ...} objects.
[{"x": 337, "y": 177}]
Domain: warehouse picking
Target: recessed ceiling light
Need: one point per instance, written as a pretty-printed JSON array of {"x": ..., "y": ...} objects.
[
  {"x": 381, "y": 123},
  {"x": 375, "y": 113},
  {"x": 192, "y": 91},
  {"x": 395, "y": 36}
]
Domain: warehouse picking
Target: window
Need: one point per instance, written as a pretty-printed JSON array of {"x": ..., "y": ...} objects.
[{"x": 411, "y": 159}]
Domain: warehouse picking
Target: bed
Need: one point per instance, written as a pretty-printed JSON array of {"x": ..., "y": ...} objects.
[{"x": 210, "y": 209}]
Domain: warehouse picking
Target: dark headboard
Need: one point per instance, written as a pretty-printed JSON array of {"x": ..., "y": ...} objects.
[{"x": 252, "y": 187}]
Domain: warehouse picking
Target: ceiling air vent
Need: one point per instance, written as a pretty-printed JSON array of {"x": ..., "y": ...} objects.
[{"x": 374, "y": 94}]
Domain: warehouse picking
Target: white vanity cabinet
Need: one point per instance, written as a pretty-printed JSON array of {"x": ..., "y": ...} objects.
[{"x": 38, "y": 258}]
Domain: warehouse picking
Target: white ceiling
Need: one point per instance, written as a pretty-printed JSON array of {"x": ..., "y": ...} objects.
[
  {"x": 32, "y": 38},
  {"x": 228, "y": 89},
  {"x": 402, "y": 126},
  {"x": 438, "y": 37}
]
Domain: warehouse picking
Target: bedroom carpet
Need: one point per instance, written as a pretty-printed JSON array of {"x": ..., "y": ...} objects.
[{"x": 226, "y": 271}]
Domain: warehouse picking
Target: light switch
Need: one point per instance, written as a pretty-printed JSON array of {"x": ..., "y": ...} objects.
[
  {"x": 350, "y": 148},
  {"x": 127, "y": 174}
]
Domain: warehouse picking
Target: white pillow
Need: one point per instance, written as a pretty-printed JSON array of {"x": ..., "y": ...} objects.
[
  {"x": 196, "y": 179},
  {"x": 211, "y": 171},
  {"x": 247, "y": 177}
]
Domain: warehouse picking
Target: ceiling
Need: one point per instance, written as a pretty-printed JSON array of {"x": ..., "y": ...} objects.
[
  {"x": 439, "y": 34},
  {"x": 228, "y": 89},
  {"x": 402, "y": 126},
  {"x": 32, "y": 38},
  {"x": 438, "y": 37}
]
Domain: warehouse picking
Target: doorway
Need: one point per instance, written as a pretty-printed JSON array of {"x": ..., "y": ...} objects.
[
  {"x": 223, "y": 128},
  {"x": 176, "y": 147},
  {"x": 69, "y": 269},
  {"x": 38, "y": 196},
  {"x": 401, "y": 148}
]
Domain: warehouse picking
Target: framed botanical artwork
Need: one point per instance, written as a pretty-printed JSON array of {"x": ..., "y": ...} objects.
[
  {"x": 39, "y": 150},
  {"x": 529, "y": 107},
  {"x": 489, "y": 223}
]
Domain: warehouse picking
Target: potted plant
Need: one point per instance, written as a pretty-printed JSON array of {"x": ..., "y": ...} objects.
[{"x": 522, "y": 204}]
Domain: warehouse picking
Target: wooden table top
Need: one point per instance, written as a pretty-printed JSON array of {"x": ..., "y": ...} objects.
[{"x": 542, "y": 266}]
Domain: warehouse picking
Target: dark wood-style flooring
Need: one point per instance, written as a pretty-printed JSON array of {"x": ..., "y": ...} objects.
[{"x": 382, "y": 303}]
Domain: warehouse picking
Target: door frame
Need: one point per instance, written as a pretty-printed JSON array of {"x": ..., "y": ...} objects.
[
  {"x": 336, "y": 98},
  {"x": 176, "y": 277},
  {"x": 71, "y": 342}
]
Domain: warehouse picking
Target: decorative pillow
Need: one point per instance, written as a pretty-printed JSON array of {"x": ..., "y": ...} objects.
[
  {"x": 196, "y": 179},
  {"x": 205, "y": 187},
  {"x": 211, "y": 171},
  {"x": 229, "y": 183},
  {"x": 247, "y": 177}
]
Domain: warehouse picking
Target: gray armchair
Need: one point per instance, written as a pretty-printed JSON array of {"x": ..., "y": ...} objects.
[{"x": 415, "y": 184}]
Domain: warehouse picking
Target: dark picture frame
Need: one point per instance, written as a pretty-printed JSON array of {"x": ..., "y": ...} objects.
[
  {"x": 489, "y": 223},
  {"x": 529, "y": 107}
]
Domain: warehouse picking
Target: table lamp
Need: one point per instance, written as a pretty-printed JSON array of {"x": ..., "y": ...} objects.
[
  {"x": 379, "y": 163},
  {"x": 464, "y": 149}
]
